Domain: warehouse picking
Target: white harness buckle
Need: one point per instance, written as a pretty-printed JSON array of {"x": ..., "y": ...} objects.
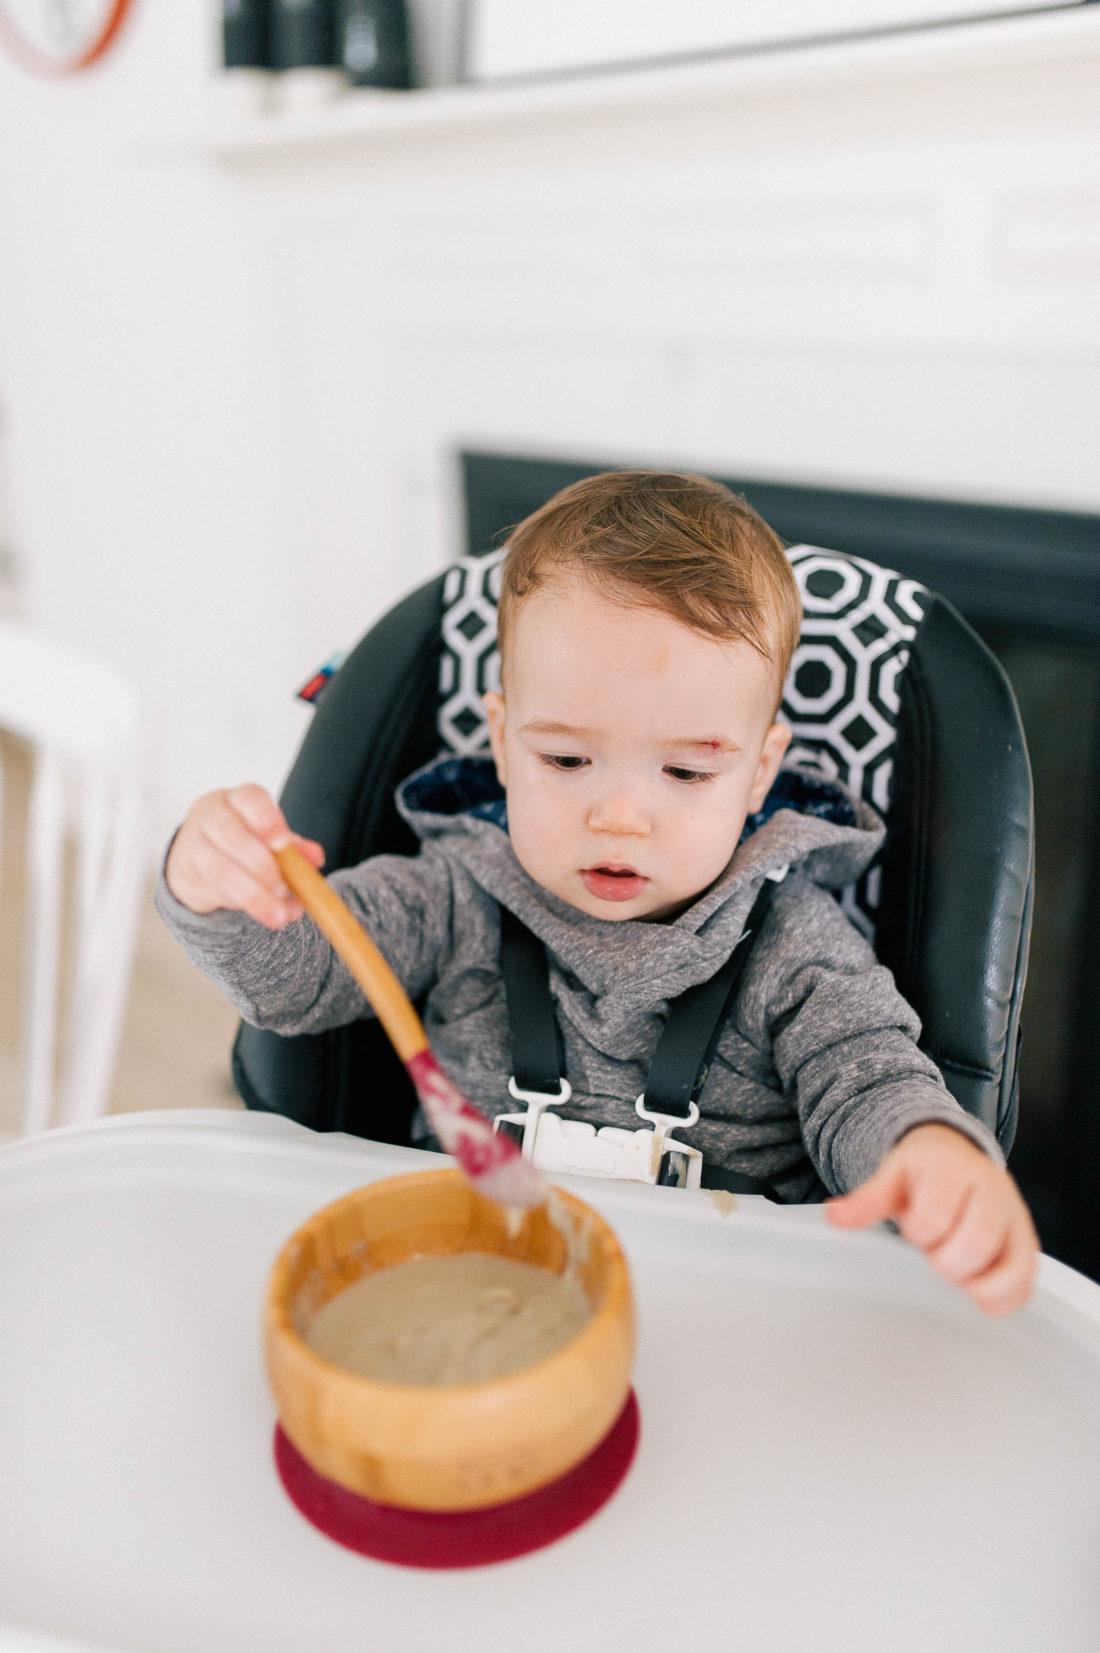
[
  {"x": 572, "y": 1146},
  {"x": 537, "y": 1102}
]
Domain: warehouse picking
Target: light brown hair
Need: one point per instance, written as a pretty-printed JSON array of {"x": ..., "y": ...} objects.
[{"x": 666, "y": 540}]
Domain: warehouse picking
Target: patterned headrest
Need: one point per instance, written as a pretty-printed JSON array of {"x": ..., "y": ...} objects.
[{"x": 841, "y": 697}]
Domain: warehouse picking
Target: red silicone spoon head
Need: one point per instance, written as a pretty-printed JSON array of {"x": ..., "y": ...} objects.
[{"x": 492, "y": 1162}]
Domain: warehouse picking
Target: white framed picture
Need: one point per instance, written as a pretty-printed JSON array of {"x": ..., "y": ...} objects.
[{"x": 513, "y": 39}]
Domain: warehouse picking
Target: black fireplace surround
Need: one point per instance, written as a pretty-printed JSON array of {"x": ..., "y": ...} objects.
[{"x": 1029, "y": 583}]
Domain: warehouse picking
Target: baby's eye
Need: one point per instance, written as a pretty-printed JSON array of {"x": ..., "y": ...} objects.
[
  {"x": 562, "y": 760},
  {"x": 689, "y": 777}
]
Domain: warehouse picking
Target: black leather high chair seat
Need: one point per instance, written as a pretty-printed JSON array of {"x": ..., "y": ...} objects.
[{"x": 890, "y": 691}]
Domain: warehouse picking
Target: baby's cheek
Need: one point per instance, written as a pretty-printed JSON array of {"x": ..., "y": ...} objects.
[
  {"x": 532, "y": 844},
  {"x": 711, "y": 844}
]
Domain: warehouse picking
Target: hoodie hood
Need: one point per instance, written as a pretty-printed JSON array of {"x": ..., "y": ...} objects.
[{"x": 808, "y": 822}]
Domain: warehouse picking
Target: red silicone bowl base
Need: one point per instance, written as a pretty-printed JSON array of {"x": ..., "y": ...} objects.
[{"x": 469, "y": 1538}]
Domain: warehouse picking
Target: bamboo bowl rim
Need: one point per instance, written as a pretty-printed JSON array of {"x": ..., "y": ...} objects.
[{"x": 617, "y": 1297}]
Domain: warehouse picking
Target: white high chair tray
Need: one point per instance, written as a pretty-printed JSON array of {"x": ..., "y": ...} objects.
[{"x": 837, "y": 1453}]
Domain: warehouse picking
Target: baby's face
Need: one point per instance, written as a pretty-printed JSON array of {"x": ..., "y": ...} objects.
[{"x": 631, "y": 750}]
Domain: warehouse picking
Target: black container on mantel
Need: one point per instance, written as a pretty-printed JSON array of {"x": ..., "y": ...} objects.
[
  {"x": 246, "y": 34},
  {"x": 303, "y": 34},
  {"x": 373, "y": 42}
]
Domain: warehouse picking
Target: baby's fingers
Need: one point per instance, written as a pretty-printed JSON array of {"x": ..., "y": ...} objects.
[
  {"x": 238, "y": 834},
  {"x": 266, "y": 821},
  {"x": 237, "y": 889},
  {"x": 221, "y": 857},
  {"x": 874, "y": 1201},
  {"x": 311, "y": 849},
  {"x": 260, "y": 814},
  {"x": 977, "y": 1239},
  {"x": 993, "y": 1253},
  {"x": 1007, "y": 1284}
]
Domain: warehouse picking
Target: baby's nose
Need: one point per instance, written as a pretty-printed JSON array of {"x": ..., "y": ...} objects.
[{"x": 619, "y": 811}]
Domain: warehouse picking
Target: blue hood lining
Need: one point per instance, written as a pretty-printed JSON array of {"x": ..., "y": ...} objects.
[
  {"x": 807, "y": 794},
  {"x": 457, "y": 786},
  {"x": 469, "y": 786}
]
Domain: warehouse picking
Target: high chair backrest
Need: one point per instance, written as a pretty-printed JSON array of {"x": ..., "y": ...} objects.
[
  {"x": 80, "y": 719},
  {"x": 889, "y": 691}
]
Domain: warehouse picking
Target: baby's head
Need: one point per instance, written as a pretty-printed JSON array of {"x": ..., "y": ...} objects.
[{"x": 647, "y": 620}]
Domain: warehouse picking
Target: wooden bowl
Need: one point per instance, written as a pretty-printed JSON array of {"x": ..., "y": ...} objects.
[{"x": 462, "y": 1446}]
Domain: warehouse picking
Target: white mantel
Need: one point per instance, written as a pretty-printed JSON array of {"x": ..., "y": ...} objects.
[{"x": 917, "y": 57}]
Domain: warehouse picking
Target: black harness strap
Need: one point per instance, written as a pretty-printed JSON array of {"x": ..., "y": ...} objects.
[
  {"x": 695, "y": 1022},
  {"x": 537, "y": 1053},
  {"x": 687, "y": 1043}
]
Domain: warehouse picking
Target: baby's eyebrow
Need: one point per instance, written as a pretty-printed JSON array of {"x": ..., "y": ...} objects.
[
  {"x": 713, "y": 743},
  {"x": 540, "y": 726}
]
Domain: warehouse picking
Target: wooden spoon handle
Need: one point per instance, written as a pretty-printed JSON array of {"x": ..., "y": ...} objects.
[
  {"x": 490, "y": 1159},
  {"x": 384, "y": 993}
]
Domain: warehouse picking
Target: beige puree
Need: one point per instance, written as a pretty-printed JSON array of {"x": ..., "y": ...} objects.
[{"x": 457, "y": 1319}]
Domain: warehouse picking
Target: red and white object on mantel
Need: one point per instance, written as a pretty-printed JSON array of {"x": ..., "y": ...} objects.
[{"x": 54, "y": 39}]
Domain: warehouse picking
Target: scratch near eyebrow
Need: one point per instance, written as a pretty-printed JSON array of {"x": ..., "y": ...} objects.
[{"x": 716, "y": 743}]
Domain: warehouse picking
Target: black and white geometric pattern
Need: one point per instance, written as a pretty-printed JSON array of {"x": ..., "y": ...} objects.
[
  {"x": 841, "y": 697},
  {"x": 470, "y": 664}
]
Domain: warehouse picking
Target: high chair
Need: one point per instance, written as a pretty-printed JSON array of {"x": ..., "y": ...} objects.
[{"x": 890, "y": 691}]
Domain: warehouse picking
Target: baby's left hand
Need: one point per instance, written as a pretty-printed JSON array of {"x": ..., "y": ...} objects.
[{"x": 962, "y": 1210}]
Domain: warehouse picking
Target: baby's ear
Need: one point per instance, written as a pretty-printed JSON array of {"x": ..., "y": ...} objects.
[
  {"x": 772, "y": 753},
  {"x": 493, "y": 703}
]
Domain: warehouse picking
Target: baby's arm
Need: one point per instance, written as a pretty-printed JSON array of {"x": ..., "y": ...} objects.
[
  {"x": 224, "y": 900},
  {"x": 875, "y": 1114},
  {"x": 963, "y": 1211},
  {"x": 221, "y": 857},
  {"x": 842, "y": 1039}
]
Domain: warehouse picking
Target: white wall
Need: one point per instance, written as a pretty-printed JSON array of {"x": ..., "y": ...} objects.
[
  {"x": 134, "y": 385},
  {"x": 235, "y": 372}
]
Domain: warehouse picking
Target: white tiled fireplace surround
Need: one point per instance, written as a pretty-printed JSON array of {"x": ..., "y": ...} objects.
[{"x": 872, "y": 263}]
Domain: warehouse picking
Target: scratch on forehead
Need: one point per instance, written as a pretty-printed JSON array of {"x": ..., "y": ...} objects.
[{"x": 712, "y": 743}]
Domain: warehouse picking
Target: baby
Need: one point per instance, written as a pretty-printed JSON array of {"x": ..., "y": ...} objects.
[{"x": 630, "y": 812}]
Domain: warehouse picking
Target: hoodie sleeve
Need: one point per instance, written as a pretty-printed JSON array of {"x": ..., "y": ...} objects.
[
  {"x": 843, "y": 1040},
  {"x": 290, "y": 980}
]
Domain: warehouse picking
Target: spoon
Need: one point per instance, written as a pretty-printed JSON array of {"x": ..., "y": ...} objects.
[{"x": 492, "y": 1161}]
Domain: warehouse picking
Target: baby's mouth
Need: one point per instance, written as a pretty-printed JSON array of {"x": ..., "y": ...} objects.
[{"x": 612, "y": 881}]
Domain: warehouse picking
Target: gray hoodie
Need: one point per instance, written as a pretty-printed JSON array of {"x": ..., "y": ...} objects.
[{"x": 816, "y": 1074}]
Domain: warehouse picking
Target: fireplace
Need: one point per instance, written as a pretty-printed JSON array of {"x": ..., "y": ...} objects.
[{"x": 1029, "y": 582}]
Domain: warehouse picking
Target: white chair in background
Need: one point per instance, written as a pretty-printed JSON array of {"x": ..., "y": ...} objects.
[{"x": 82, "y": 720}]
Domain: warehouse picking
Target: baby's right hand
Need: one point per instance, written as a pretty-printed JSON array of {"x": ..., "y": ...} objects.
[{"x": 221, "y": 857}]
